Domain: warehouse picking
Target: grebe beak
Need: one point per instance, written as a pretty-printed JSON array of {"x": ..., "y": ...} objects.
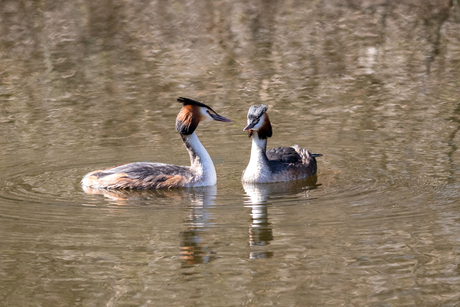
[
  {"x": 249, "y": 127},
  {"x": 219, "y": 118}
]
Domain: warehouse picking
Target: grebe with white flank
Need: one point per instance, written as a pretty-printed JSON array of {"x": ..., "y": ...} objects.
[
  {"x": 146, "y": 175},
  {"x": 277, "y": 164}
]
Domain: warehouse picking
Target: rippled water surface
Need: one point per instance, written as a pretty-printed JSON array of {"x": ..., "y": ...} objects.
[{"x": 373, "y": 85}]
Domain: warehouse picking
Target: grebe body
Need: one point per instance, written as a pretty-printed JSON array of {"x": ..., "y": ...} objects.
[
  {"x": 277, "y": 164},
  {"x": 147, "y": 175}
]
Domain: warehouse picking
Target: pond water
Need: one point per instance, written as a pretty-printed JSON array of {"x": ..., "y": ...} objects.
[{"x": 373, "y": 85}]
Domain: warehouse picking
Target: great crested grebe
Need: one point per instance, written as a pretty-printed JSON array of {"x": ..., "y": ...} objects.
[
  {"x": 146, "y": 175},
  {"x": 277, "y": 164}
]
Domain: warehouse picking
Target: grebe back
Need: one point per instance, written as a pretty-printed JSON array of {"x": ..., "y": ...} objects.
[
  {"x": 146, "y": 175},
  {"x": 277, "y": 164}
]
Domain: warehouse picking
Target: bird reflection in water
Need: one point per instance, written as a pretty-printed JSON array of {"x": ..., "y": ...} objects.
[
  {"x": 193, "y": 245},
  {"x": 260, "y": 230}
]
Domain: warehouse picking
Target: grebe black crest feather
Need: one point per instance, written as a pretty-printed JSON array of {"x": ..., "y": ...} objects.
[
  {"x": 257, "y": 117},
  {"x": 188, "y": 101},
  {"x": 191, "y": 115},
  {"x": 256, "y": 111}
]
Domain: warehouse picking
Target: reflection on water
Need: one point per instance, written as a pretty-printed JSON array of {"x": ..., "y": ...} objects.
[
  {"x": 260, "y": 230},
  {"x": 193, "y": 248},
  {"x": 261, "y": 193}
]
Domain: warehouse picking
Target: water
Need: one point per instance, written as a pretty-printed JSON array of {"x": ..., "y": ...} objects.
[{"x": 374, "y": 86}]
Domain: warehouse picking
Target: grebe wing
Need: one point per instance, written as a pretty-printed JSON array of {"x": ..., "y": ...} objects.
[
  {"x": 140, "y": 175},
  {"x": 292, "y": 162},
  {"x": 283, "y": 155},
  {"x": 142, "y": 170}
]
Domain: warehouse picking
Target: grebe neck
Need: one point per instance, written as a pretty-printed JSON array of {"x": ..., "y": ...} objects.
[
  {"x": 201, "y": 162},
  {"x": 258, "y": 167},
  {"x": 258, "y": 149}
]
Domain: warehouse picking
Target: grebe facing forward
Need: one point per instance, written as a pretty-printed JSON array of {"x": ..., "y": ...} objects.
[
  {"x": 277, "y": 164},
  {"x": 146, "y": 175}
]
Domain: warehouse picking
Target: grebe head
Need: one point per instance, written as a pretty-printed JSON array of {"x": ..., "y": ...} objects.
[
  {"x": 192, "y": 113},
  {"x": 258, "y": 121}
]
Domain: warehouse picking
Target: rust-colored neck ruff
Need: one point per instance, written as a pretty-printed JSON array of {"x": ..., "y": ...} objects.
[{"x": 188, "y": 119}]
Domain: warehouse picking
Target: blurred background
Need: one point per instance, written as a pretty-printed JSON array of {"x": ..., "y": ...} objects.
[{"x": 374, "y": 85}]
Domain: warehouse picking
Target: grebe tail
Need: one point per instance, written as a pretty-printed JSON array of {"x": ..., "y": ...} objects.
[
  {"x": 146, "y": 175},
  {"x": 277, "y": 164}
]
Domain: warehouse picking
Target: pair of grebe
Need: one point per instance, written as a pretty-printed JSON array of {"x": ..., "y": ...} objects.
[{"x": 274, "y": 165}]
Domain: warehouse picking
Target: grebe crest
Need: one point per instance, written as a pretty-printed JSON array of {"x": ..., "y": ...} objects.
[
  {"x": 147, "y": 175},
  {"x": 277, "y": 164}
]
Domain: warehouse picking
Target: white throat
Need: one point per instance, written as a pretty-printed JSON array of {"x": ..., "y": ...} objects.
[
  {"x": 258, "y": 169},
  {"x": 201, "y": 162}
]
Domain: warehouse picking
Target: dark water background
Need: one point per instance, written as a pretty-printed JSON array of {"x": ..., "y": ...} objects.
[{"x": 373, "y": 85}]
